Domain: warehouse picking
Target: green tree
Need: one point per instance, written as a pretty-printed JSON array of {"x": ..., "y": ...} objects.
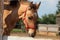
[
  {"x": 39, "y": 20},
  {"x": 58, "y": 6},
  {"x": 52, "y": 18},
  {"x": 48, "y": 19},
  {"x": 44, "y": 19}
]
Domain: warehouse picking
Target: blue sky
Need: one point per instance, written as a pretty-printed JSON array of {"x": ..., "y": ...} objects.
[{"x": 46, "y": 7}]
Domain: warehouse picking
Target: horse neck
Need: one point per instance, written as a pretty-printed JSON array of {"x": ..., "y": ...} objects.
[{"x": 25, "y": 2}]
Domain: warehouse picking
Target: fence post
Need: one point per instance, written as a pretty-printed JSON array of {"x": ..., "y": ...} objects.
[
  {"x": 1, "y": 18},
  {"x": 47, "y": 31}
]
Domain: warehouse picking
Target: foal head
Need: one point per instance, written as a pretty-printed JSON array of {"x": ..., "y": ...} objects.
[
  {"x": 30, "y": 18},
  {"x": 29, "y": 12}
]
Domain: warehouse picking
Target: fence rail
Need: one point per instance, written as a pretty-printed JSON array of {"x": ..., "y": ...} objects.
[{"x": 49, "y": 28}]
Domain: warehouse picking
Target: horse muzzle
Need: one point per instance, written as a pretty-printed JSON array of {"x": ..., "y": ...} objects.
[{"x": 31, "y": 32}]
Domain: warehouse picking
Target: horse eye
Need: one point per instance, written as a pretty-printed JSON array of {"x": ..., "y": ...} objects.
[{"x": 30, "y": 18}]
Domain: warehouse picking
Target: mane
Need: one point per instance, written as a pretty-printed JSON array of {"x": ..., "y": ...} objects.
[{"x": 14, "y": 3}]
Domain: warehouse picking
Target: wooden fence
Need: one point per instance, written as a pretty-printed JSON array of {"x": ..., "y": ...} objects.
[{"x": 49, "y": 29}]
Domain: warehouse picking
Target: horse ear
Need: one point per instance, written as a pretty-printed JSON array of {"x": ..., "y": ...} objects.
[
  {"x": 32, "y": 2},
  {"x": 37, "y": 5}
]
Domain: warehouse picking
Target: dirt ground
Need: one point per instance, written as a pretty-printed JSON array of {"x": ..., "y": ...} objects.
[{"x": 37, "y": 35}]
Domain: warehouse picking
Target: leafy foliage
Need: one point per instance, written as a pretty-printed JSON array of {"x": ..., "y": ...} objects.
[
  {"x": 58, "y": 6},
  {"x": 47, "y": 19}
]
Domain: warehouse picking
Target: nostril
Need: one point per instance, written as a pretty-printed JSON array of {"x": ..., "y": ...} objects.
[{"x": 32, "y": 35}]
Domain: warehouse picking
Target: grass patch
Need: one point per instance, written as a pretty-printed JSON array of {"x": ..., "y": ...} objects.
[{"x": 17, "y": 30}]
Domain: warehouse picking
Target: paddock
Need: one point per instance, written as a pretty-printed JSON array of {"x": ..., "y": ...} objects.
[
  {"x": 44, "y": 32},
  {"x": 28, "y": 38}
]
